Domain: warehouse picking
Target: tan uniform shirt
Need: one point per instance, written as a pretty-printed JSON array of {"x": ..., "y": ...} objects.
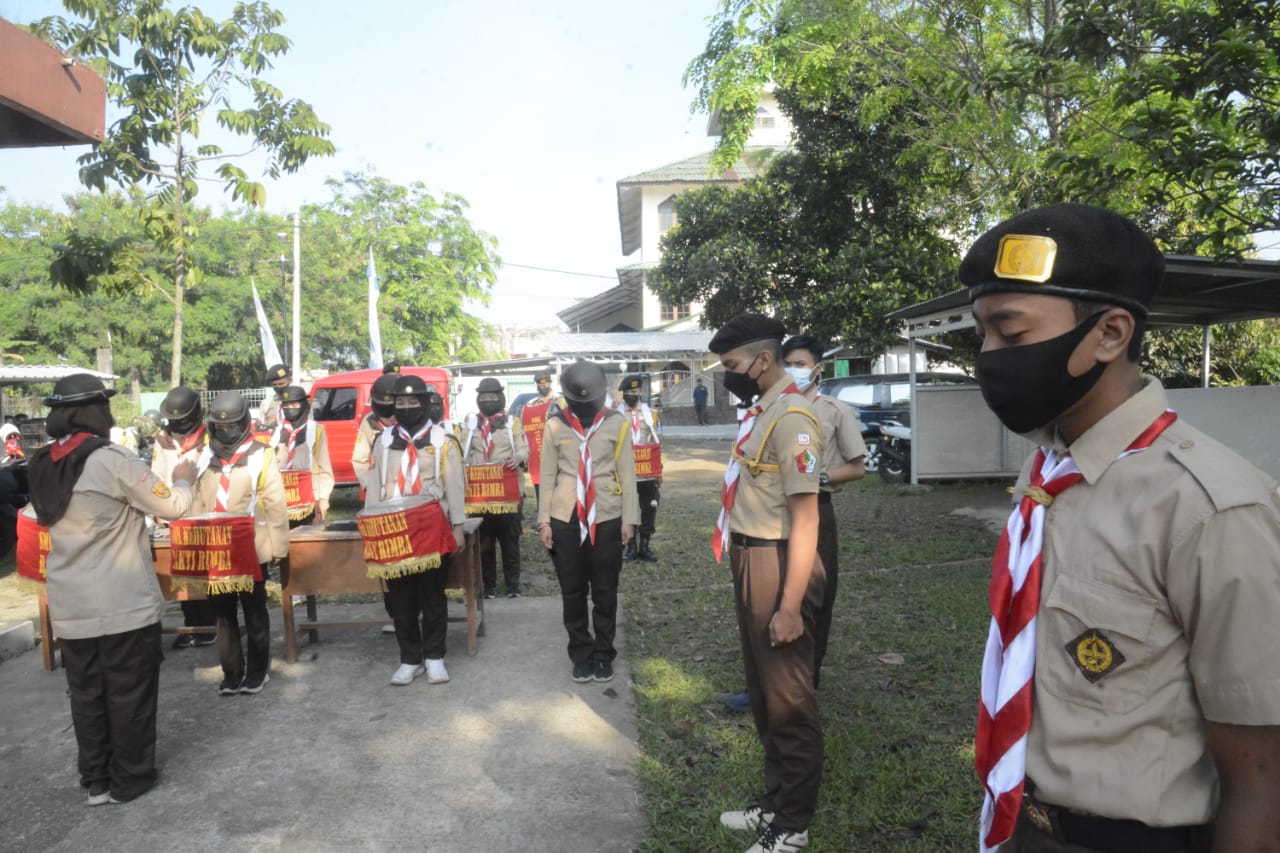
[
  {"x": 319, "y": 464},
  {"x": 100, "y": 576},
  {"x": 779, "y": 459},
  {"x": 613, "y": 469},
  {"x": 271, "y": 514},
  {"x": 270, "y": 409},
  {"x": 1172, "y": 556},
  {"x": 450, "y": 487},
  {"x": 167, "y": 452},
  {"x": 841, "y": 439},
  {"x": 362, "y": 451},
  {"x": 508, "y": 443}
]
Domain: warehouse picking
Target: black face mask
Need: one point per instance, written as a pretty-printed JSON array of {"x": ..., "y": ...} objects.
[
  {"x": 295, "y": 415},
  {"x": 184, "y": 426},
  {"x": 1028, "y": 386},
  {"x": 435, "y": 411},
  {"x": 544, "y": 390},
  {"x": 413, "y": 418},
  {"x": 740, "y": 384},
  {"x": 584, "y": 412},
  {"x": 632, "y": 400},
  {"x": 229, "y": 435},
  {"x": 385, "y": 411},
  {"x": 489, "y": 408}
]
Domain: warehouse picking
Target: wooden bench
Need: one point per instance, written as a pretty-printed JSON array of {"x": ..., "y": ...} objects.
[{"x": 321, "y": 562}]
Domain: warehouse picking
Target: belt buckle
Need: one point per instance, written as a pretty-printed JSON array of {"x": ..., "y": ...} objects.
[{"x": 1038, "y": 815}]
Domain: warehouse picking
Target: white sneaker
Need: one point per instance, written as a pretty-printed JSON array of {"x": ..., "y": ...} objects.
[
  {"x": 776, "y": 840},
  {"x": 407, "y": 673},
  {"x": 388, "y": 629},
  {"x": 436, "y": 673},
  {"x": 751, "y": 818}
]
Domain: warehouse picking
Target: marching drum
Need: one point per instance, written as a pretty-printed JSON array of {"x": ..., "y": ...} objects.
[
  {"x": 32, "y": 550},
  {"x": 404, "y": 536},
  {"x": 214, "y": 553},
  {"x": 299, "y": 496},
  {"x": 492, "y": 489}
]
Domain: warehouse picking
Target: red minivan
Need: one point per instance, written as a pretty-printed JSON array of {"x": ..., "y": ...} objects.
[{"x": 341, "y": 401}]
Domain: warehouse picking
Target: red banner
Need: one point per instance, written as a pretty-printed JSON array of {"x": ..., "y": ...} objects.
[
  {"x": 214, "y": 553},
  {"x": 405, "y": 536},
  {"x": 533, "y": 417},
  {"x": 299, "y": 497},
  {"x": 648, "y": 461},
  {"x": 492, "y": 489},
  {"x": 32, "y": 551}
]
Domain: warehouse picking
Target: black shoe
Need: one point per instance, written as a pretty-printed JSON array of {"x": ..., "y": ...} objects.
[
  {"x": 205, "y": 639},
  {"x": 254, "y": 682},
  {"x": 582, "y": 672},
  {"x": 99, "y": 794},
  {"x": 513, "y": 593},
  {"x": 630, "y": 553},
  {"x": 602, "y": 671},
  {"x": 184, "y": 641},
  {"x": 490, "y": 592},
  {"x": 645, "y": 554},
  {"x": 230, "y": 686}
]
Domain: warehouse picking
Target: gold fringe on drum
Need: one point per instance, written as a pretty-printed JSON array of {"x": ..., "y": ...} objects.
[
  {"x": 403, "y": 568},
  {"x": 298, "y": 513},
  {"x": 492, "y": 508}
]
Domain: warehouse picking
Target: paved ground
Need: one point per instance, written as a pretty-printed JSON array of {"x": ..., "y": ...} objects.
[{"x": 511, "y": 755}]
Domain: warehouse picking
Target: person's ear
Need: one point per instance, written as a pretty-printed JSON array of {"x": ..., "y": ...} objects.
[{"x": 1117, "y": 327}]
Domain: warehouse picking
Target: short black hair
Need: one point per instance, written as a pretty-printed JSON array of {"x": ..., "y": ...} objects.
[
  {"x": 804, "y": 342},
  {"x": 1084, "y": 309}
]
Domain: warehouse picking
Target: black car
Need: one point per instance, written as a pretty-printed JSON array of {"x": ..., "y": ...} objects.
[{"x": 879, "y": 398}]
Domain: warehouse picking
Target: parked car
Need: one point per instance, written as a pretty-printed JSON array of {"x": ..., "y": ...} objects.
[
  {"x": 340, "y": 402},
  {"x": 879, "y": 399},
  {"x": 517, "y": 405}
]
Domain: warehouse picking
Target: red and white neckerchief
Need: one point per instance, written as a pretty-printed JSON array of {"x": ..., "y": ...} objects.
[
  {"x": 409, "y": 474},
  {"x": 729, "y": 490},
  {"x": 1008, "y": 665},
  {"x": 191, "y": 442},
  {"x": 224, "y": 479},
  {"x": 486, "y": 435},
  {"x": 586, "y": 506},
  {"x": 290, "y": 433}
]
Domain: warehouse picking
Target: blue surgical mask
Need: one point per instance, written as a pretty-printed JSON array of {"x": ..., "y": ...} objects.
[{"x": 803, "y": 376}]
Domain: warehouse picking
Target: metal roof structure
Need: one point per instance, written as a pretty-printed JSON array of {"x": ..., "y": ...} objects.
[
  {"x": 1197, "y": 293},
  {"x": 25, "y": 374},
  {"x": 629, "y": 345},
  {"x": 627, "y": 294},
  {"x": 46, "y": 98}
]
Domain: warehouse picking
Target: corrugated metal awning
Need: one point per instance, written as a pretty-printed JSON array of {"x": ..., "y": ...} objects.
[{"x": 20, "y": 374}]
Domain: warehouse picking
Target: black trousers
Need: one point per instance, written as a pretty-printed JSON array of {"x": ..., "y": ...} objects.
[
  {"x": 648, "y": 492},
  {"x": 199, "y": 613},
  {"x": 500, "y": 531},
  {"x": 113, "y": 682},
  {"x": 780, "y": 690},
  {"x": 420, "y": 612},
  {"x": 828, "y": 551},
  {"x": 702, "y": 413},
  {"x": 589, "y": 571},
  {"x": 257, "y": 625}
]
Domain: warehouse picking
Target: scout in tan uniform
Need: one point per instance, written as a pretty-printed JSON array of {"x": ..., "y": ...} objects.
[
  {"x": 238, "y": 475},
  {"x": 417, "y": 601},
  {"x": 645, "y": 430},
  {"x": 184, "y": 438},
  {"x": 769, "y": 525},
  {"x": 533, "y": 419},
  {"x": 1151, "y": 722},
  {"x": 840, "y": 463},
  {"x": 587, "y": 446},
  {"x": 301, "y": 444},
  {"x": 104, "y": 600},
  {"x": 382, "y": 401},
  {"x": 491, "y": 438},
  {"x": 279, "y": 378}
]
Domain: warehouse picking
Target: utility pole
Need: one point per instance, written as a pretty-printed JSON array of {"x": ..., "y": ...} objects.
[{"x": 297, "y": 296}]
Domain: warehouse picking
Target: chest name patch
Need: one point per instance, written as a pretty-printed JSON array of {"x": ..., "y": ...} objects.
[{"x": 1094, "y": 654}]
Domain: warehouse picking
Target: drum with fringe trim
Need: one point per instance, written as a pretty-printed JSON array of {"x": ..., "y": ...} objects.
[
  {"x": 299, "y": 496},
  {"x": 32, "y": 551},
  {"x": 492, "y": 489},
  {"x": 648, "y": 459},
  {"x": 404, "y": 536},
  {"x": 214, "y": 553}
]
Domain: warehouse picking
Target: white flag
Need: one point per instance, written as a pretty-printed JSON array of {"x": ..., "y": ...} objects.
[
  {"x": 269, "y": 349},
  {"x": 375, "y": 335}
]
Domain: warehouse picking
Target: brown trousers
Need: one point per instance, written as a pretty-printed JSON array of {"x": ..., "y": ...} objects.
[
  {"x": 780, "y": 683},
  {"x": 114, "y": 682}
]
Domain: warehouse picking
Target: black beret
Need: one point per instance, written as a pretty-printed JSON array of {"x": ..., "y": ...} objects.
[
  {"x": 631, "y": 382},
  {"x": 409, "y": 386},
  {"x": 489, "y": 385},
  {"x": 583, "y": 382},
  {"x": 293, "y": 394},
  {"x": 1070, "y": 250},
  {"x": 391, "y": 367},
  {"x": 277, "y": 371},
  {"x": 78, "y": 389},
  {"x": 745, "y": 329}
]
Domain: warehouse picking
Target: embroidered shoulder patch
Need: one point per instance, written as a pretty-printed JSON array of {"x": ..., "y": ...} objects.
[
  {"x": 802, "y": 439},
  {"x": 1094, "y": 654},
  {"x": 806, "y": 462},
  {"x": 160, "y": 490}
]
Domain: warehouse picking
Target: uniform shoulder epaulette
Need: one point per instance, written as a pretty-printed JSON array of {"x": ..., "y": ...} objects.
[
  {"x": 1227, "y": 478},
  {"x": 801, "y": 410}
]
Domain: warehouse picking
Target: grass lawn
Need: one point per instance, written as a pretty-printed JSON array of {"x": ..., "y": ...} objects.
[{"x": 900, "y": 684}]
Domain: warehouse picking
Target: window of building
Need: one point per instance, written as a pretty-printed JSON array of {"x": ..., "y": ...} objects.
[
  {"x": 668, "y": 312},
  {"x": 764, "y": 118},
  {"x": 667, "y": 218}
]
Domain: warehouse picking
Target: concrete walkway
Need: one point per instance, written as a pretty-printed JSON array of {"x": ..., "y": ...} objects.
[{"x": 511, "y": 755}]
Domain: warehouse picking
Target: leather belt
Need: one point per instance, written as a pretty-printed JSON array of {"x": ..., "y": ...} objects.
[
  {"x": 752, "y": 542},
  {"x": 1108, "y": 835}
]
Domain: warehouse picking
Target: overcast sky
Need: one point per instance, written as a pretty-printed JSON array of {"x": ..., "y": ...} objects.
[{"x": 531, "y": 111}]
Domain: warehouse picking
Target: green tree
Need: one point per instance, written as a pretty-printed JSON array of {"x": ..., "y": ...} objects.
[{"x": 182, "y": 65}]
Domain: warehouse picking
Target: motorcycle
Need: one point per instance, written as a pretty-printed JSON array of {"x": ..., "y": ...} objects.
[{"x": 894, "y": 453}]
